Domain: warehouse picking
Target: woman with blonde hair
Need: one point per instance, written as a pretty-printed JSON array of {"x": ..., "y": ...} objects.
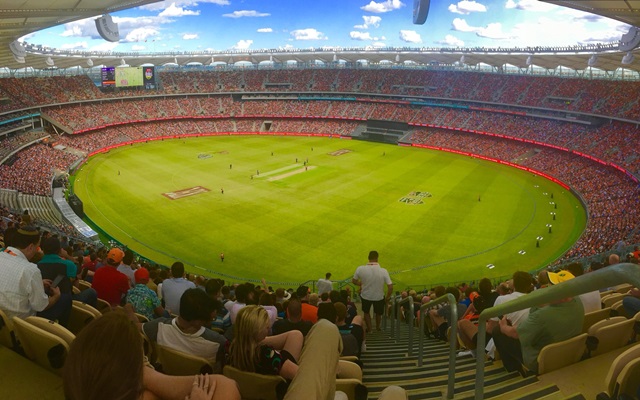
[{"x": 253, "y": 351}]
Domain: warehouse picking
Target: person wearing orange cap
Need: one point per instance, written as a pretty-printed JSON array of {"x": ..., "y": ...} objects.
[
  {"x": 110, "y": 284},
  {"x": 144, "y": 300},
  {"x": 551, "y": 323}
]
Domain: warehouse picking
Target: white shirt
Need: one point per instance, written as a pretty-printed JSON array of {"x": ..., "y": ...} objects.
[
  {"x": 591, "y": 301},
  {"x": 324, "y": 286},
  {"x": 172, "y": 290},
  {"x": 21, "y": 289},
  {"x": 373, "y": 279},
  {"x": 516, "y": 316}
]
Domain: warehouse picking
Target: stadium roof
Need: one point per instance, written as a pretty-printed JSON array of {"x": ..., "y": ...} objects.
[{"x": 19, "y": 18}]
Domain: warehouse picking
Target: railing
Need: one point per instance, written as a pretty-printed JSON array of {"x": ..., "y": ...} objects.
[
  {"x": 607, "y": 277},
  {"x": 452, "y": 301},
  {"x": 395, "y": 319}
]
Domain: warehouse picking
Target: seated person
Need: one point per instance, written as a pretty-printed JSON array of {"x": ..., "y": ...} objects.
[
  {"x": 188, "y": 332},
  {"x": 253, "y": 351},
  {"x": 353, "y": 329},
  {"x": 144, "y": 300},
  {"x": 293, "y": 321},
  {"x": 441, "y": 318}
]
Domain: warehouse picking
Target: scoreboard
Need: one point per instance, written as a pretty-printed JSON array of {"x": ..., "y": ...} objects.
[
  {"x": 108, "y": 77},
  {"x": 129, "y": 77}
]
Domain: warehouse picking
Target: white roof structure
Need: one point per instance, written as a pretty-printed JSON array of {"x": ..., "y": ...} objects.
[{"x": 21, "y": 17}]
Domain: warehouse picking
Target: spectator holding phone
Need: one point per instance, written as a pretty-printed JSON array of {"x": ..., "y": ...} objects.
[{"x": 22, "y": 289}]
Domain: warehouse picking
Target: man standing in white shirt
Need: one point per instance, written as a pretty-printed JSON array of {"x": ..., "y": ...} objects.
[
  {"x": 324, "y": 285},
  {"x": 372, "y": 278}
]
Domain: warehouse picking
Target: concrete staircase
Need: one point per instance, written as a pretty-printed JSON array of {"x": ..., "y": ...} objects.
[{"x": 387, "y": 362}]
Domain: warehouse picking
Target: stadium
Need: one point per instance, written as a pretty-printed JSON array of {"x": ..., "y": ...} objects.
[{"x": 278, "y": 165}]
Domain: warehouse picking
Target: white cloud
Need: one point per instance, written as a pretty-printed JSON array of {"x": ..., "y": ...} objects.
[
  {"x": 383, "y": 7},
  {"x": 550, "y": 32},
  {"x": 410, "y": 36},
  {"x": 265, "y": 30},
  {"x": 162, "y": 5},
  {"x": 73, "y": 30},
  {"x": 137, "y": 47},
  {"x": 190, "y": 36},
  {"x": 105, "y": 46},
  {"x": 451, "y": 41},
  {"x": 243, "y": 44},
  {"x": 491, "y": 31},
  {"x": 369, "y": 20},
  {"x": 530, "y": 5},
  {"x": 308, "y": 34},
  {"x": 461, "y": 25},
  {"x": 355, "y": 35},
  {"x": 74, "y": 46},
  {"x": 467, "y": 7},
  {"x": 140, "y": 34},
  {"x": 378, "y": 44},
  {"x": 246, "y": 13},
  {"x": 175, "y": 11}
]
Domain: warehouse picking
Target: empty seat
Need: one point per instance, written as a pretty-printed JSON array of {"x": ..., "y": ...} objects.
[
  {"x": 558, "y": 355},
  {"x": 44, "y": 348},
  {"x": 254, "y": 386},
  {"x": 81, "y": 315},
  {"x": 616, "y": 368},
  {"x": 7, "y": 335},
  {"x": 612, "y": 334},
  {"x": 175, "y": 362},
  {"x": 611, "y": 299},
  {"x": 591, "y": 318}
]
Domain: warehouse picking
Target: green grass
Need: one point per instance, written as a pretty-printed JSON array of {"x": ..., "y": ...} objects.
[{"x": 329, "y": 217}]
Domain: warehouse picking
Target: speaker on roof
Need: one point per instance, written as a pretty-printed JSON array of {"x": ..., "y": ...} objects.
[
  {"x": 107, "y": 29},
  {"x": 630, "y": 40},
  {"x": 89, "y": 62},
  {"x": 628, "y": 58},
  {"x": 529, "y": 61},
  {"x": 420, "y": 11},
  {"x": 49, "y": 61},
  {"x": 593, "y": 60},
  {"x": 462, "y": 59},
  {"x": 17, "y": 49}
]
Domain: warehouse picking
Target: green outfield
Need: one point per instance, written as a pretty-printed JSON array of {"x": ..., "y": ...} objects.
[{"x": 433, "y": 216}]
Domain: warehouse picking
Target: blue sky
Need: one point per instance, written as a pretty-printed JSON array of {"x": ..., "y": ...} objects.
[{"x": 189, "y": 25}]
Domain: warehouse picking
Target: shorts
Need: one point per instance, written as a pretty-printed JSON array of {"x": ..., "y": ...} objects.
[{"x": 378, "y": 306}]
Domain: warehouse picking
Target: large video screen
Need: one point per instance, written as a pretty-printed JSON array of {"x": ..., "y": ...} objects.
[
  {"x": 128, "y": 76},
  {"x": 108, "y": 77}
]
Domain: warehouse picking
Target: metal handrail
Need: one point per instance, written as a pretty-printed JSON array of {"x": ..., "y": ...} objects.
[
  {"x": 447, "y": 298},
  {"x": 606, "y": 277},
  {"x": 396, "y": 310}
]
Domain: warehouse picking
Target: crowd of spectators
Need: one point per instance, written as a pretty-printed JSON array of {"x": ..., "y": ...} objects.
[
  {"x": 613, "y": 142},
  {"x": 608, "y": 98}
]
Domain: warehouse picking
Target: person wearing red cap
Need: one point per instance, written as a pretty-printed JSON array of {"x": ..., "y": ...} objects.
[
  {"x": 144, "y": 300},
  {"x": 110, "y": 284}
]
